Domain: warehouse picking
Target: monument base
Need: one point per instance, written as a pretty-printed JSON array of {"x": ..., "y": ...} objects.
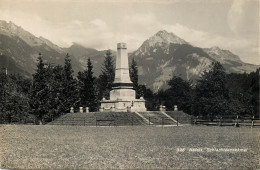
[{"x": 123, "y": 105}]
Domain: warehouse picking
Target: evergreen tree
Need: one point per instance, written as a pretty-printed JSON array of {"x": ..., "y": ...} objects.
[
  {"x": 16, "y": 101},
  {"x": 107, "y": 76},
  {"x": 69, "y": 93},
  {"x": 3, "y": 79},
  {"x": 151, "y": 100},
  {"x": 13, "y": 97},
  {"x": 87, "y": 89},
  {"x": 39, "y": 91},
  {"x": 134, "y": 73},
  {"x": 55, "y": 84},
  {"x": 134, "y": 78},
  {"x": 211, "y": 93}
]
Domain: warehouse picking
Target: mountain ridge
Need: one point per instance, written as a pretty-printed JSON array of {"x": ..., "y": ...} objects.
[
  {"x": 158, "y": 62},
  {"x": 159, "y": 57}
]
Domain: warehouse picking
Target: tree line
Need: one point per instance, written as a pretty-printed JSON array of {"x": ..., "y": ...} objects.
[
  {"x": 53, "y": 89},
  {"x": 216, "y": 93}
]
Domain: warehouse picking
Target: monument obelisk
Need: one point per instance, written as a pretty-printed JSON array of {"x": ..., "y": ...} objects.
[{"x": 122, "y": 96}]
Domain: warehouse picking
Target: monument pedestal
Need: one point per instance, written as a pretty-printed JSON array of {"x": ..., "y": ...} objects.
[
  {"x": 123, "y": 100},
  {"x": 122, "y": 97},
  {"x": 136, "y": 105}
]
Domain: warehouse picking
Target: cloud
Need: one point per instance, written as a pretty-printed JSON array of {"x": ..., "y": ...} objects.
[
  {"x": 99, "y": 24},
  {"x": 241, "y": 46},
  {"x": 101, "y": 33},
  {"x": 79, "y": 23},
  {"x": 205, "y": 39},
  {"x": 31, "y": 23},
  {"x": 236, "y": 15},
  {"x": 191, "y": 35},
  {"x": 141, "y": 18}
]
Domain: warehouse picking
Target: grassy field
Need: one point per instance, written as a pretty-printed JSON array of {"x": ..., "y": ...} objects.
[{"x": 79, "y": 147}]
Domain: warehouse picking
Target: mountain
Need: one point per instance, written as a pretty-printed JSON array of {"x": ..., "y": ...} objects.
[
  {"x": 159, "y": 57},
  {"x": 82, "y": 53},
  {"x": 162, "y": 39},
  {"x": 165, "y": 54},
  {"x": 230, "y": 61},
  {"x": 13, "y": 68},
  {"x": 23, "y": 48}
]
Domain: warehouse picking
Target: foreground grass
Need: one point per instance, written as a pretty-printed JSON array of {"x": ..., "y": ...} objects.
[{"x": 28, "y": 146}]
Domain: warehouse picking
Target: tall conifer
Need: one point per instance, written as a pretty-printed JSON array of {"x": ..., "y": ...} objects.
[
  {"x": 87, "y": 88},
  {"x": 211, "y": 93},
  {"x": 39, "y": 91},
  {"x": 107, "y": 76},
  {"x": 69, "y": 93},
  {"x": 134, "y": 78}
]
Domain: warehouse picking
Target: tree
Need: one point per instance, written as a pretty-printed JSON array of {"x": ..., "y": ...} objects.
[
  {"x": 87, "y": 89},
  {"x": 134, "y": 73},
  {"x": 69, "y": 93},
  {"x": 3, "y": 81},
  {"x": 53, "y": 90},
  {"x": 134, "y": 78},
  {"x": 55, "y": 84},
  {"x": 151, "y": 99},
  {"x": 14, "y": 98},
  {"x": 39, "y": 91},
  {"x": 178, "y": 94},
  {"x": 107, "y": 76},
  {"x": 244, "y": 93},
  {"x": 211, "y": 93}
]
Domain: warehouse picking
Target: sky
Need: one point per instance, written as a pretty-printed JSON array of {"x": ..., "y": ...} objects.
[{"x": 229, "y": 24}]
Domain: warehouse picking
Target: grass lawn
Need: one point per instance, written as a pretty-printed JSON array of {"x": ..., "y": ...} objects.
[{"x": 78, "y": 147}]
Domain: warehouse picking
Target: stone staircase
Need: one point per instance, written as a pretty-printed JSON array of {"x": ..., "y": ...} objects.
[
  {"x": 157, "y": 118},
  {"x": 77, "y": 119},
  {"x": 99, "y": 119},
  {"x": 182, "y": 117},
  {"x": 123, "y": 118}
]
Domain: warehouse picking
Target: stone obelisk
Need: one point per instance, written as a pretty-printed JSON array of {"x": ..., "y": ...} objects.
[
  {"x": 122, "y": 87},
  {"x": 122, "y": 96},
  {"x": 122, "y": 69}
]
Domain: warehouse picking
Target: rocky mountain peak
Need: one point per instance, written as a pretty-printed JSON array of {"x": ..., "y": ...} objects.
[
  {"x": 10, "y": 29},
  {"x": 215, "y": 48},
  {"x": 162, "y": 39},
  {"x": 162, "y": 33},
  {"x": 223, "y": 56}
]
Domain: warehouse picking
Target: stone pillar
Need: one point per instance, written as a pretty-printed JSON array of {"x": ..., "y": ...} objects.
[
  {"x": 175, "y": 108},
  {"x": 161, "y": 108},
  {"x": 122, "y": 68},
  {"x": 128, "y": 108},
  {"x": 87, "y": 109},
  {"x": 81, "y": 109},
  {"x": 113, "y": 108},
  {"x": 71, "y": 110}
]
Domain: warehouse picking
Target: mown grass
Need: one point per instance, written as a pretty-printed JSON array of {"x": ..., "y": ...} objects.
[{"x": 78, "y": 147}]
